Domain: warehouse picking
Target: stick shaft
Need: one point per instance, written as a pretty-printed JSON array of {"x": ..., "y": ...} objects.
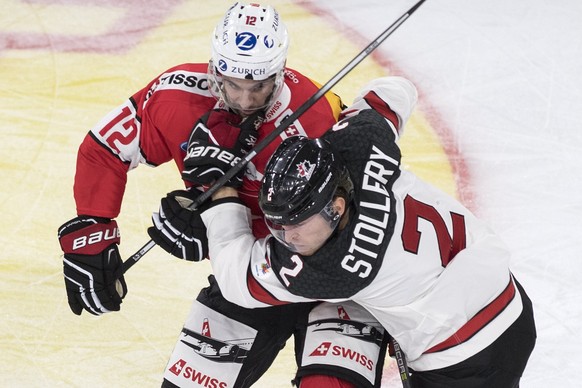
[
  {"x": 306, "y": 105},
  {"x": 401, "y": 364},
  {"x": 284, "y": 125}
]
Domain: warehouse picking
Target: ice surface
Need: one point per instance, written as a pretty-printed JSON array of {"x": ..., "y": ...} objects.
[{"x": 500, "y": 86}]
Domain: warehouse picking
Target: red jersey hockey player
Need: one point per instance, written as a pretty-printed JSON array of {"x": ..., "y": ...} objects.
[
  {"x": 348, "y": 224},
  {"x": 246, "y": 77}
]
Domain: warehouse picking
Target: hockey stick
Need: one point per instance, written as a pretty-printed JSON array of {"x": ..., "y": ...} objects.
[
  {"x": 284, "y": 124},
  {"x": 401, "y": 364}
]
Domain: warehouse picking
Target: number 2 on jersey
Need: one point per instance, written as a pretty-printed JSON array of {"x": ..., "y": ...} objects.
[
  {"x": 292, "y": 272},
  {"x": 449, "y": 245}
]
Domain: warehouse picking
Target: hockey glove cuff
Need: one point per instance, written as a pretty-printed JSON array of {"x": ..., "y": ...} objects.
[{"x": 92, "y": 266}]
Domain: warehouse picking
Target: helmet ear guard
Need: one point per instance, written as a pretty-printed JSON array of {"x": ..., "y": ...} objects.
[{"x": 250, "y": 42}]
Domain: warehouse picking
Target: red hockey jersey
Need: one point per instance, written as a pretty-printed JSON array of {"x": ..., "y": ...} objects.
[{"x": 153, "y": 126}]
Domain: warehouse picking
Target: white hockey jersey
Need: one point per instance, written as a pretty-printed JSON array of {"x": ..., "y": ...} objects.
[{"x": 433, "y": 275}]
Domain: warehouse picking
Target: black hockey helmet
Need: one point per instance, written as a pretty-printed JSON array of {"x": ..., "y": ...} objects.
[{"x": 301, "y": 180}]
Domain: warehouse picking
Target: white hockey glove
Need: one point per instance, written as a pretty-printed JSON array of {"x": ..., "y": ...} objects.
[
  {"x": 179, "y": 230},
  {"x": 92, "y": 266},
  {"x": 218, "y": 142}
]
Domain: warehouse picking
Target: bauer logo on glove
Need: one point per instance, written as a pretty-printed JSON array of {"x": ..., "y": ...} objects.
[
  {"x": 90, "y": 239},
  {"x": 92, "y": 266}
]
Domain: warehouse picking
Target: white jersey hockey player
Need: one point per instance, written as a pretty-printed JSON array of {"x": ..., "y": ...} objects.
[{"x": 348, "y": 224}]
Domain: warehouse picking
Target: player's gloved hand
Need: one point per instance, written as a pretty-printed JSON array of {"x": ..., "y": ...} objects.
[
  {"x": 218, "y": 141},
  {"x": 179, "y": 230},
  {"x": 92, "y": 265}
]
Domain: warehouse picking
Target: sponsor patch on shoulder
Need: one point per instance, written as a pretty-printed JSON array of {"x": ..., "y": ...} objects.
[{"x": 263, "y": 269}]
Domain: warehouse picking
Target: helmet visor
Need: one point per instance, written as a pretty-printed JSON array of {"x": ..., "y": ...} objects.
[
  {"x": 307, "y": 236},
  {"x": 261, "y": 95}
]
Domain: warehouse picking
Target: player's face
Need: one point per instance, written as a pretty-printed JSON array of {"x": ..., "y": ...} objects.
[
  {"x": 247, "y": 96},
  {"x": 308, "y": 236}
]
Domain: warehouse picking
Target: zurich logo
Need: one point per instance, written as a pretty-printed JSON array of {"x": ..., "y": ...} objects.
[
  {"x": 246, "y": 41},
  {"x": 222, "y": 65}
]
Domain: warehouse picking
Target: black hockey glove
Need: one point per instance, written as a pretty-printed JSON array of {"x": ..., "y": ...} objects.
[
  {"x": 217, "y": 143},
  {"x": 92, "y": 265},
  {"x": 178, "y": 230}
]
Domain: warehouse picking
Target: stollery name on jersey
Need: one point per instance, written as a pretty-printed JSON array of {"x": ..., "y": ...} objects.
[{"x": 374, "y": 214}]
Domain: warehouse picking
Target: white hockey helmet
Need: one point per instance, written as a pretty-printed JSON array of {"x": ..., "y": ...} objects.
[{"x": 250, "y": 42}]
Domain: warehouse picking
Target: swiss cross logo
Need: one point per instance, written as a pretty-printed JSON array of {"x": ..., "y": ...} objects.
[
  {"x": 321, "y": 350},
  {"x": 292, "y": 131},
  {"x": 341, "y": 313},
  {"x": 177, "y": 367}
]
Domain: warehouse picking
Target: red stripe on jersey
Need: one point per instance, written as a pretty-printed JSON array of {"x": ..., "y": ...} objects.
[
  {"x": 260, "y": 293},
  {"x": 381, "y": 107},
  {"x": 479, "y": 321}
]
